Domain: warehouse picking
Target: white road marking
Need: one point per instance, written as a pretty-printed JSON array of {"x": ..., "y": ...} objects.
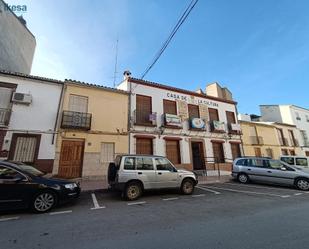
[
  {"x": 9, "y": 218},
  {"x": 250, "y": 192},
  {"x": 255, "y": 186},
  {"x": 201, "y": 195},
  {"x": 170, "y": 199},
  {"x": 61, "y": 212},
  {"x": 95, "y": 203},
  {"x": 209, "y": 190},
  {"x": 136, "y": 203},
  {"x": 298, "y": 193}
]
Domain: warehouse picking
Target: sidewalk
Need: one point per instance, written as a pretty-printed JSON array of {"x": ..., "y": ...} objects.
[{"x": 92, "y": 185}]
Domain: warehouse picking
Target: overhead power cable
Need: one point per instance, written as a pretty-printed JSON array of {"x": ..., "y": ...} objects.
[{"x": 172, "y": 34}]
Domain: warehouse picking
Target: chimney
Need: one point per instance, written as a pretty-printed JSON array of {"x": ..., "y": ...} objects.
[{"x": 126, "y": 74}]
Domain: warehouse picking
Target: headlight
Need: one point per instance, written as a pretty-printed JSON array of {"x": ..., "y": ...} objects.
[{"x": 70, "y": 185}]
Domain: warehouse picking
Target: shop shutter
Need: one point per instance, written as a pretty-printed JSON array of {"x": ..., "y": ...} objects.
[
  {"x": 143, "y": 109},
  {"x": 169, "y": 107},
  {"x": 173, "y": 151},
  {"x": 193, "y": 111},
  {"x": 213, "y": 114},
  {"x": 144, "y": 146}
]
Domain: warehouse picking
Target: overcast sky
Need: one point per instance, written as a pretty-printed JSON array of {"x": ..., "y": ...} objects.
[{"x": 258, "y": 49}]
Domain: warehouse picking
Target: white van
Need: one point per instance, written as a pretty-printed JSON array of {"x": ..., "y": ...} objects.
[{"x": 301, "y": 161}]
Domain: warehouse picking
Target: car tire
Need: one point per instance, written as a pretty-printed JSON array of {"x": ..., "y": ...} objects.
[
  {"x": 133, "y": 191},
  {"x": 243, "y": 178},
  {"x": 302, "y": 184},
  {"x": 187, "y": 187},
  {"x": 44, "y": 202}
]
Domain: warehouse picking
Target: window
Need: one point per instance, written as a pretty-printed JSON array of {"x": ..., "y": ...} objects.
[
  {"x": 78, "y": 103},
  {"x": 144, "y": 163},
  {"x": 7, "y": 173},
  {"x": 292, "y": 138},
  {"x": 235, "y": 150},
  {"x": 163, "y": 164},
  {"x": 297, "y": 116},
  {"x": 129, "y": 163},
  {"x": 143, "y": 109},
  {"x": 169, "y": 107},
  {"x": 301, "y": 161},
  {"x": 173, "y": 151},
  {"x": 107, "y": 152},
  {"x": 292, "y": 152},
  {"x": 284, "y": 152},
  {"x": 288, "y": 160},
  {"x": 305, "y": 137},
  {"x": 213, "y": 114},
  {"x": 275, "y": 164},
  {"x": 282, "y": 140},
  {"x": 218, "y": 152},
  {"x": 269, "y": 152},
  {"x": 230, "y": 117},
  {"x": 257, "y": 152},
  {"x": 257, "y": 162},
  {"x": 242, "y": 162},
  {"x": 193, "y": 111},
  {"x": 144, "y": 146},
  {"x": 307, "y": 118}
]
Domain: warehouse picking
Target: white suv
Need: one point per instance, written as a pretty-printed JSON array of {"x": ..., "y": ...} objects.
[{"x": 132, "y": 174}]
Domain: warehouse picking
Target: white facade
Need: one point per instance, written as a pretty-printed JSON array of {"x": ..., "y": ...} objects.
[
  {"x": 160, "y": 132},
  {"x": 289, "y": 114},
  {"x": 37, "y": 118}
]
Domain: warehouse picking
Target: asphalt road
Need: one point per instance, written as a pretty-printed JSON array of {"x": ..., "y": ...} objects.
[{"x": 217, "y": 216}]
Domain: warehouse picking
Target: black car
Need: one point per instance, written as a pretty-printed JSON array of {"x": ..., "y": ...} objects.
[{"x": 23, "y": 186}]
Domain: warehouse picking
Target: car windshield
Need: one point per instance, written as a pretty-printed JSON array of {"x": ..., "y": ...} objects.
[{"x": 29, "y": 169}]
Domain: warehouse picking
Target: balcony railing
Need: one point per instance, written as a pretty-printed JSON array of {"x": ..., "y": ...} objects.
[
  {"x": 283, "y": 141},
  {"x": 143, "y": 119},
  {"x": 76, "y": 120},
  {"x": 256, "y": 140},
  {"x": 217, "y": 126},
  {"x": 5, "y": 115}
]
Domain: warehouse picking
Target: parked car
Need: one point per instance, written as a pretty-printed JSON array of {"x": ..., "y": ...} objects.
[
  {"x": 132, "y": 174},
  {"x": 23, "y": 186},
  {"x": 298, "y": 161},
  {"x": 271, "y": 171}
]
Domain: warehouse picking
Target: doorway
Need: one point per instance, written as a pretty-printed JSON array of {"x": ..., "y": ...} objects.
[{"x": 198, "y": 157}]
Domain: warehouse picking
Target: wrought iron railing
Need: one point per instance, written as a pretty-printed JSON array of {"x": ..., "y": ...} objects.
[{"x": 76, "y": 120}]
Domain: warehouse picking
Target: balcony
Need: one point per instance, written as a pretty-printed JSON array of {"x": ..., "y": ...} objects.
[
  {"x": 171, "y": 121},
  {"x": 145, "y": 119},
  {"x": 5, "y": 115},
  {"x": 234, "y": 128},
  {"x": 283, "y": 141},
  {"x": 256, "y": 140},
  {"x": 217, "y": 126},
  {"x": 76, "y": 120}
]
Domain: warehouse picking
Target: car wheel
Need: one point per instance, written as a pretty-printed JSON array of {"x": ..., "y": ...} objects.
[
  {"x": 243, "y": 178},
  {"x": 44, "y": 201},
  {"x": 133, "y": 191},
  {"x": 187, "y": 187},
  {"x": 302, "y": 184}
]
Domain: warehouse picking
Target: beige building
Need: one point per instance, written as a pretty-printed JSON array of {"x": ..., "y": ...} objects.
[
  {"x": 269, "y": 139},
  {"x": 93, "y": 129}
]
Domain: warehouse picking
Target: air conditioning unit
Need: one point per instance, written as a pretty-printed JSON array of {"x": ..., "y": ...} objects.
[{"x": 22, "y": 98}]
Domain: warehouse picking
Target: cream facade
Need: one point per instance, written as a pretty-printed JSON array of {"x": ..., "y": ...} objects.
[
  {"x": 93, "y": 129},
  {"x": 270, "y": 139}
]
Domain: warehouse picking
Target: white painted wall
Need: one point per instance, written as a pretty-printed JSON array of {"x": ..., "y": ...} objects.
[{"x": 38, "y": 117}]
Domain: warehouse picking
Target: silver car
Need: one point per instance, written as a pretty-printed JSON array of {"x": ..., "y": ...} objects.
[
  {"x": 265, "y": 170},
  {"x": 132, "y": 174}
]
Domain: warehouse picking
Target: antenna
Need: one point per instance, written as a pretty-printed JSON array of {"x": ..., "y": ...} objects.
[{"x": 116, "y": 60}]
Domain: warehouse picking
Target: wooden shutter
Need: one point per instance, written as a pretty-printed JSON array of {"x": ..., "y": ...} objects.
[
  {"x": 235, "y": 150},
  {"x": 143, "y": 109},
  {"x": 193, "y": 111},
  {"x": 78, "y": 103},
  {"x": 173, "y": 151},
  {"x": 230, "y": 117},
  {"x": 218, "y": 152},
  {"x": 213, "y": 114},
  {"x": 169, "y": 107},
  {"x": 144, "y": 146}
]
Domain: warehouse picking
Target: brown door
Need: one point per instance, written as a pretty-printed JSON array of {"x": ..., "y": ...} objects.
[
  {"x": 144, "y": 146},
  {"x": 198, "y": 158},
  {"x": 235, "y": 150},
  {"x": 71, "y": 159},
  {"x": 218, "y": 152},
  {"x": 258, "y": 152},
  {"x": 173, "y": 151}
]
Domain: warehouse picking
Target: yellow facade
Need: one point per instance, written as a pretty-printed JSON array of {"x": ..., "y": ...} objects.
[
  {"x": 262, "y": 139},
  {"x": 109, "y": 125}
]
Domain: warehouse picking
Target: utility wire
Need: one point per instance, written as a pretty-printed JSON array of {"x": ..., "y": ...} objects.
[{"x": 172, "y": 34}]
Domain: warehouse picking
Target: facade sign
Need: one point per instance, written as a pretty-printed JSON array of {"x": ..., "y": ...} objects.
[
  {"x": 173, "y": 120},
  {"x": 203, "y": 111},
  {"x": 219, "y": 126},
  {"x": 191, "y": 99},
  {"x": 197, "y": 123},
  {"x": 235, "y": 127},
  {"x": 182, "y": 108}
]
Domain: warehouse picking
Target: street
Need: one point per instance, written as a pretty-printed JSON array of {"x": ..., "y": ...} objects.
[{"x": 218, "y": 215}]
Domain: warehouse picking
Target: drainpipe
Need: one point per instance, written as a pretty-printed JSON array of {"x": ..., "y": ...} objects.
[
  {"x": 129, "y": 114},
  {"x": 58, "y": 113}
]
